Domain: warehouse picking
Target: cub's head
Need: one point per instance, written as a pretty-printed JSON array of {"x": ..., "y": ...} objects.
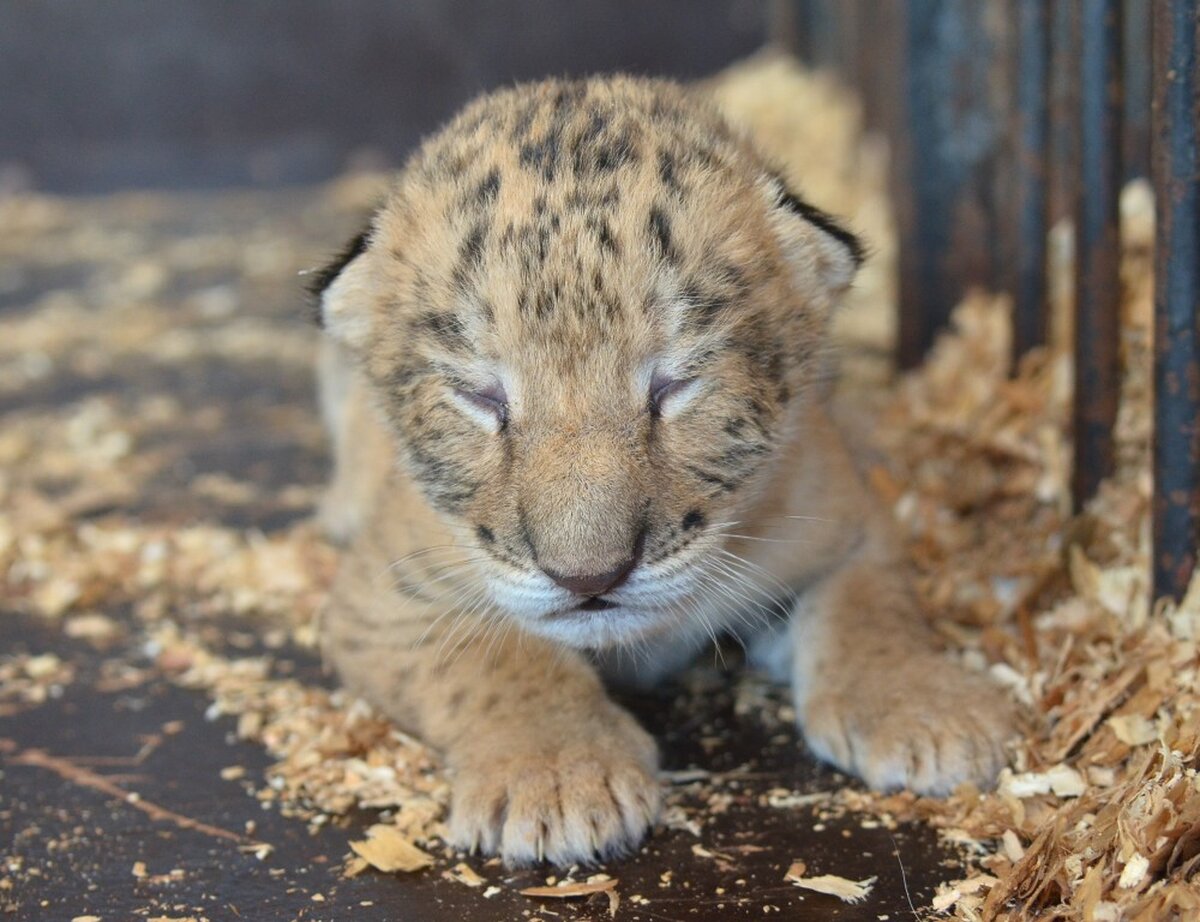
[{"x": 587, "y": 311}]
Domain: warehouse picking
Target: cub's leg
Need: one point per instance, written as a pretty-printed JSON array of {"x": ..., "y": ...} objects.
[
  {"x": 544, "y": 765},
  {"x": 874, "y": 697}
]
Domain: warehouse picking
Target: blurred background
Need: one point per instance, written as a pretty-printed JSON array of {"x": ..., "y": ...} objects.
[{"x": 96, "y": 97}]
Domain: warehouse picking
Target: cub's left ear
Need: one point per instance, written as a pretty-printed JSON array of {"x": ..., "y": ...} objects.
[
  {"x": 341, "y": 293},
  {"x": 818, "y": 247}
]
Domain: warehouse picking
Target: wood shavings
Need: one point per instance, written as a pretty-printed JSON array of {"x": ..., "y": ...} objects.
[
  {"x": 846, "y": 890},
  {"x": 790, "y": 800},
  {"x": 1133, "y": 729},
  {"x": 569, "y": 889},
  {"x": 1063, "y": 780},
  {"x": 29, "y": 680},
  {"x": 950, "y": 895},
  {"x": 464, "y": 874},
  {"x": 597, "y": 883},
  {"x": 334, "y": 753},
  {"x": 386, "y": 849},
  {"x": 1095, "y": 820},
  {"x": 94, "y": 627}
]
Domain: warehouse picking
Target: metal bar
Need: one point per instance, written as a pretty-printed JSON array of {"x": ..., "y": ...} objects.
[
  {"x": 1136, "y": 57},
  {"x": 944, "y": 159},
  {"x": 871, "y": 49},
  {"x": 1000, "y": 195},
  {"x": 1032, "y": 128},
  {"x": 820, "y": 20},
  {"x": 1064, "y": 108},
  {"x": 1176, "y": 113},
  {"x": 1097, "y": 262},
  {"x": 785, "y": 27}
]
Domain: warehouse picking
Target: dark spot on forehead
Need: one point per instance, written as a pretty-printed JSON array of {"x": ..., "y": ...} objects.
[
  {"x": 735, "y": 278},
  {"x": 604, "y": 235},
  {"x": 589, "y": 199},
  {"x": 542, "y": 154},
  {"x": 470, "y": 253},
  {"x": 487, "y": 190},
  {"x": 524, "y": 120},
  {"x": 666, "y": 170},
  {"x": 660, "y": 231},
  {"x": 597, "y": 124},
  {"x": 604, "y": 155},
  {"x": 544, "y": 302},
  {"x": 569, "y": 94}
]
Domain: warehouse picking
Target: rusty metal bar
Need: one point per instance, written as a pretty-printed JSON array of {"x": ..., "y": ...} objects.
[
  {"x": 1097, "y": 263},
  {"x": 1030, "y": 163},
  {"x": 1176, "y": 295},
  {"x": 1136, "y": 56},
  {"x": 944, "y": 159}
]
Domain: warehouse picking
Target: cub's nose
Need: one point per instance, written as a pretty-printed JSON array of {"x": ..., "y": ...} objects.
[{"x": 597, "y": 583}]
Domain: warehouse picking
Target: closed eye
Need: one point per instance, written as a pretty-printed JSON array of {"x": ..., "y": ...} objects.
[
  {"x": 665, "y": 389},
  {"x": 487, "y": 404}
]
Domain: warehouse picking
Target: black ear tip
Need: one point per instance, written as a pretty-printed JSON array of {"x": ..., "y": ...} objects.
[
  {"x": 324, "y": 277},
  {"x": 826, "y": 222}
]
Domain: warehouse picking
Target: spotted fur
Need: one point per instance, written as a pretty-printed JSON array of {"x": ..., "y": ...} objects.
[{"x": 570, "y": 373}]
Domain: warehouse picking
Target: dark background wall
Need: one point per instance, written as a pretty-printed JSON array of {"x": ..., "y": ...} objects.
[{"x": 103, "y": 94}]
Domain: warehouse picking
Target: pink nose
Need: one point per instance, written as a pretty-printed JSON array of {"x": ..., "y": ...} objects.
[{"x": 597, "y": 583}]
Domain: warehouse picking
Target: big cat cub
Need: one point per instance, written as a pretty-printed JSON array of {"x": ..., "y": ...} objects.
[{"x": 571, "y": 374}]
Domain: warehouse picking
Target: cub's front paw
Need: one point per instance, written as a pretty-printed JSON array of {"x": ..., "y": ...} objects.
[
  {"x": 584, "y": 797},
  {"x": 928, "y": 726}
]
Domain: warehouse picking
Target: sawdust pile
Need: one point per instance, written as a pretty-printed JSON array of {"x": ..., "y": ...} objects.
[
  {"x": 1100, "y": 817},
  {"x": 334, "y": 753}
]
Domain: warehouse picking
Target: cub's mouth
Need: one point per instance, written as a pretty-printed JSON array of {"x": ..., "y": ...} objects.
[{"x": 595, "y": 603}]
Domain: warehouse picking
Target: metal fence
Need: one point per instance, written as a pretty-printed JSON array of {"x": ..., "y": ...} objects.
[{"x": 1005, "y": 115}]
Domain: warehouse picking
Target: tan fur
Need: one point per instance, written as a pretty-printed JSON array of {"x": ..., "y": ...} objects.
[{"x": 566, "y": 246}]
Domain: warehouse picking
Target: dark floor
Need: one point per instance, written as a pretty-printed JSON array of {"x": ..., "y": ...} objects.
[{"x": 77, "y": 847}]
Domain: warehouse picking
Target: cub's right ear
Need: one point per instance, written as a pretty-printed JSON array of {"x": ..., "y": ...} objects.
[{"x": 341, "y": 293}]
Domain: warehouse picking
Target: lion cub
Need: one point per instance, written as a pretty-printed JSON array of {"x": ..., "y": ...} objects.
[{"x": 571, "y": 376}]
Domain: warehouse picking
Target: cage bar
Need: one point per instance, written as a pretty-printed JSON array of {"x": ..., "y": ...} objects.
[
  {"x": 1064, "y": 108},
  {"x": 945, "y": 152},
  {"x": 1176, "y": 461},
  {"x": 1137, "y": 83},
  {"x": 1097, "y": 247},
  {"x": 1031, "y": 130}
]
